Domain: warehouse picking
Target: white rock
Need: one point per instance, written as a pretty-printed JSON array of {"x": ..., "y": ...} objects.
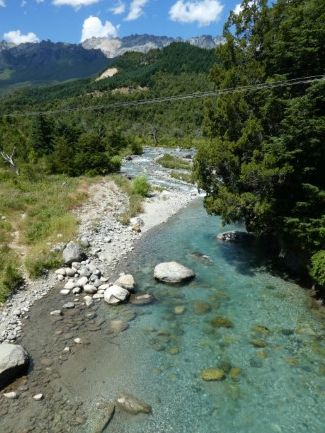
[
  {"x": 56, "y": 313},
  {"x": 76, "y": 265},
  {"x": 126, "y": 281},
  {"x": 90, "y": 289},
  {"x": 70, "y": 272},
  {"x": 77, "y": 340},
  {"x": 61, "y": 271},
  {"x": 13, "y": 360},
  {"x": 115, "y": 295},
  {"x": 104, "y": 287},
  {"x": 11, "y": 395},
  {"x": 60, "y": 277},
  {"x": 76, "y": 290},
  {"x": 82, "y": 282},
  {"x": 88, "y": 301},
  {"x": 70, "y": 285},
  {"x": 98, "y": 296},
  {"x": 65, "y": 292},
  {"x": 38, "y": 397},
  {"x": 173, "y": 273},
  {"x": 66, "y": 349}
]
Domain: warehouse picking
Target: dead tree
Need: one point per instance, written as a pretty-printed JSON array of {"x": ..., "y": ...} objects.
[{"x": 9, "y": 159}]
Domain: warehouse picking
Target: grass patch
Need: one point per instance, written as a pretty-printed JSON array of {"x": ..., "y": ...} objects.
[
  {"x": 135, "y": 199},
  {"x": 185, "y": 177},
  {"x": 173, "y": 162},
  {"x": 39, "y": 208}
]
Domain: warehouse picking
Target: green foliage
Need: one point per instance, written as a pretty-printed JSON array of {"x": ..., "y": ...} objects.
[
  {"x": 10, "y": 276},
  {"x": 265, "y": 154},
  {"x": 318, "y": 267},
  {"x": 141, "y": 186},
  {"x": 173, "y": 162}
]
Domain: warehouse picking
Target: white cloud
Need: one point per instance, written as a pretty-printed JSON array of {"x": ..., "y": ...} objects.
[
  {"x": 16, "y": 37},
  {"x": 2, "y": 3},
  {"x": 93, "y": 27},
  {"x": 238, "y": 9},
  {"x": 119, "y": 8},
  {"x": 136, "y": 9},
  {"x": 203, "y": 12},
  {"x": 74, "y": 3}
]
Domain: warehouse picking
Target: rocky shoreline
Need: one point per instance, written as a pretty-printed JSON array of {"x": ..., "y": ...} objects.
[{"x": 106, "y": 239}]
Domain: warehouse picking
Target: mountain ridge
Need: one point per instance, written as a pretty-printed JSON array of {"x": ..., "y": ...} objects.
[{"x": 115, "y": 47}]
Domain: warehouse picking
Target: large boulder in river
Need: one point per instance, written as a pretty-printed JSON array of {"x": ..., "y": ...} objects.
[
  {"x": 173, "y": 273},
  {"x": 115, "y": 295},
  {"x": 13, "y": 361},
  {"x": 72, "y": 253}
]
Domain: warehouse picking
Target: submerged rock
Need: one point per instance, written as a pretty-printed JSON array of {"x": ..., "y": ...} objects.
[
  {"x": 234, "y": 373},
  {"x": 211, "y": 374},
  {"x": 258, "y": 343},
  {"x": 133, "y": 405},
  {"x": 72, "y": 253},
  {"x": 142, "y": 299},
  {"x": 103, "y": 417},
  {"x": 221, "y": 322},
  {"x": 180, "y": 309},
  {"x": 173, "y": 273},
  {"x": 117, "y": 326},
  {"x": 115, "y": 295},
  {"x": 13, "y": 362},
  {"x": 201, "y": 307}
]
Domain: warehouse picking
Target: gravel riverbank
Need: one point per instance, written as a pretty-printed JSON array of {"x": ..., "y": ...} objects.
[{"x": 109, "y": 242}]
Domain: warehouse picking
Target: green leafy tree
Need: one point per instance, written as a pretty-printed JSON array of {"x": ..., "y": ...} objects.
[{"x": 264, "y": 158}]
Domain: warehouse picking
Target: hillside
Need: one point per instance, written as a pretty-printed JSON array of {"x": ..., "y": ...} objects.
[
  {"x": 47, "y": 62},
  {"x": 177, "y": 69}
]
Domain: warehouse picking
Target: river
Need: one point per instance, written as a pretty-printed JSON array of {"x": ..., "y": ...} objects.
[{"x": 271, "y": 345}]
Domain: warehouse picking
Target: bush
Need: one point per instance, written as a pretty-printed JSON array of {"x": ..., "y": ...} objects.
[
  {"x": 317, "y": 270},
  {"x": 141, "y": 186},
  {"x": 10, "y": 281},
  {"x": 170, "y": 161}
]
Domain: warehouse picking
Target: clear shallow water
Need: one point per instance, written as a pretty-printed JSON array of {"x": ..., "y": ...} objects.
[
  {"x": 281, "y": 387},
  {"x": 160, "y": 356}
]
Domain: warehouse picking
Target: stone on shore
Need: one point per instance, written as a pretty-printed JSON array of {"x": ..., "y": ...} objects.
[
  {"x": 133, "y": 405},
  {"x": 13, "y": 361},
  {"x": 126, "y": 281},
  {"x": 11, "y": 395},
  {"x": 115, "y": 295},
  {"x": 72, "y": 253},
  {"x": 173, "y": 273}
]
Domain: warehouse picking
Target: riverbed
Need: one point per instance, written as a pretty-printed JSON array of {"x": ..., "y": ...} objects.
[{"x": 236, "y": 316}]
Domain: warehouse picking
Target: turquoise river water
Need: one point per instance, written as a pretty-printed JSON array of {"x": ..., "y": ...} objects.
[
  {"x": 273, "y": 336},
  {"x": 281, "y": 385}
]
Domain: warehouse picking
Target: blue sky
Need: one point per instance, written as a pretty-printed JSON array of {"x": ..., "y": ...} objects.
[{"x": 72, "y": 20}]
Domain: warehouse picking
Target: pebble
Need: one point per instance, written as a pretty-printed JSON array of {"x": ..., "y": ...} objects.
[
  {"x": 65, "y": 292},
  {"x": 77, "y": 340},
  {"x": 69, "y": 305},
  {"x": 38, "y": 397},
  {"x": 56, "y": 313},
  {"x": 11, "y": 395}
]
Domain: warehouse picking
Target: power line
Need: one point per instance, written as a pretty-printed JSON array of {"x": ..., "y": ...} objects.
[{"x": 197, "y": 95}]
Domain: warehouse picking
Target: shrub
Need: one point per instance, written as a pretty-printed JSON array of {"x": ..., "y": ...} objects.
[
  {"x": 141, "y": 186},
  {"x": 317, "y": 270}
]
